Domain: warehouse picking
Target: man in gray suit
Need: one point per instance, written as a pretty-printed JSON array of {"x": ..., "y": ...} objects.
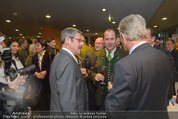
[
  {"x": 140, "y": 81},
  {"x": 68, "y": 88}
]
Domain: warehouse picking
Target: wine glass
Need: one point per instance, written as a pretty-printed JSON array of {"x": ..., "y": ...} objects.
[{"x": 103, "y": 72}]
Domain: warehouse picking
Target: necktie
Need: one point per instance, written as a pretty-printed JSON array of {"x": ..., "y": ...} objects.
[{"x": 109, "y": 56}]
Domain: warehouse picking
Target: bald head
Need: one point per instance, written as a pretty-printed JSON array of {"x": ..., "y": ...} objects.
[{"x": 99, "y": 43}]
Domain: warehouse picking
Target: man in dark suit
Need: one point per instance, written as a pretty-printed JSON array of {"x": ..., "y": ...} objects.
[
  {"x": 68, "y": 88},
  {"x": 150, "y": 39},
  {"x": 103, "y": 66},
  {"x": 170, "y": 46},
  {"x": 140, "y": 81}
]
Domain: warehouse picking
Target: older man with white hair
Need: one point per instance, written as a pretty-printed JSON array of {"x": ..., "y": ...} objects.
[{"x": 140, "y": 81}]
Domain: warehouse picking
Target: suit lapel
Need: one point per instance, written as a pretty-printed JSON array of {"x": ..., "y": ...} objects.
[{"x": 103, "y": 57}]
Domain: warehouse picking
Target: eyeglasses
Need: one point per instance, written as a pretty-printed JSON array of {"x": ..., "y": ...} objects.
[{"x": 80, "y": 40}]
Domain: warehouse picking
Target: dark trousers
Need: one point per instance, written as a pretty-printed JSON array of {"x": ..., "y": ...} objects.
[
  {"x": 91, "y": 95},
  {"x": 102, "y": 106}
]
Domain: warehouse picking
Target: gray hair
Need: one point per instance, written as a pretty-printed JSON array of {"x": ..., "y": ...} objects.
[
  {"x": 70, "y": 32},
  {"x": 133, "y": 27}
]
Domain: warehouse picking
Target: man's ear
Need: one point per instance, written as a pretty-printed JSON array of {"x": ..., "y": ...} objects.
[
  {"x": 67, "y": 40},
  {"x": 47, "y": 43},
  {"x": 153, "y": 39},
  {"x": 123, "y": 37}
]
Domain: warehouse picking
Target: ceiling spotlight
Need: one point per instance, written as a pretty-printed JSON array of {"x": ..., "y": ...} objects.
[
  {"x": 8, "y": 21},
  {"x": 39, "y": 33},
  {"x": 117, "y": 28},
  {"x": 113, "y": 22},
  {"x": 20, "y": 34},
  {"x": 74, "y": 25},
  {"x": 104, "y": 10},
  {"x": 96, "y": 33},
  {"x": 23, "y": 37},
  {"x": 9, "y": 37},
  {"x": 16, "y": 30},
  {"x": 48, "y": 16},
  {"x": 38, "y": 36},
  {"x": 155, "y": 26},
  {"x": 164, "y": 18},
  {"x": 87, "y": 30}
]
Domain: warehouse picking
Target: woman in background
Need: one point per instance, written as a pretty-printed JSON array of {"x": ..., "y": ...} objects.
[
  {"x": 42, "y": 68},
  {"x": 51, "y": 46}
]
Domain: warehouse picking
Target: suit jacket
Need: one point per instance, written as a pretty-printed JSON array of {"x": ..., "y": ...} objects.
[
  {"x": 85, "y": 49},
  {"x": 174, "y": 53},
  {"x": 140, "y": 81},
  {"x": 23, "y": 54},
  {"x": 88, "y": 60},
  {"x": 68, "y": 88},
  {"x": 174, "y": 72},
  {"x": 99, "y": 60}
]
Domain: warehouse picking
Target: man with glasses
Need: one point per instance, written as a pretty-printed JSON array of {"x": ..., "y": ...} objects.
[
  {"x": 99, "y": 45},
  {"x": 68, "y": 88},
  {"x": 103, "y": 66}
]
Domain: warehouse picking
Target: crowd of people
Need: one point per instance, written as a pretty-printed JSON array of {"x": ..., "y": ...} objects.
[{"x": 127, "y": 70}]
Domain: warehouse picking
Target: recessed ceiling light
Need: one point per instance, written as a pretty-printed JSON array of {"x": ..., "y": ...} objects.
[
  {"x": 9, "y": 37},
  {"x": 48, "y": 16},
  {"x": 15, "y": 13},
  {"x": 8, "y": 21},
  {"x": 38, "y": 36},
  {"x": 164, "y": 18},
  {"x": 104, "y": 10},
  {"x": 113, "y": 22},
  {"x": 39, "y": 33},
  {"x": 87, "y": 30},
  {"x": 74, "y": 25},
  {"x": 21, "y": 34},
  {"x": 155, "y": 26},
  {"x": 23, "y": 37},
  {"x": 96, "y": 33},
  {"x": 16, "y": 30}
]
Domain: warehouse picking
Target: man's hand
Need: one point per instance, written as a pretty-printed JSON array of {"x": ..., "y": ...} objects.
[
  {"x": 109, "y": 85},
  {"x": 99, "y": 77}
]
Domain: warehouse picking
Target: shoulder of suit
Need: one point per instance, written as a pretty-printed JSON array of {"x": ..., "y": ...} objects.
[{"x": 99, "y": 52}]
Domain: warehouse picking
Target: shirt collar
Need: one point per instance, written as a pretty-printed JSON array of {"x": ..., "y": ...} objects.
[
  {"x": 112, "y": 52},
  {"x": 171, "y": 49},
  {"x": 135, "y": 46},
  {"x": 70, "y": 53}
]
